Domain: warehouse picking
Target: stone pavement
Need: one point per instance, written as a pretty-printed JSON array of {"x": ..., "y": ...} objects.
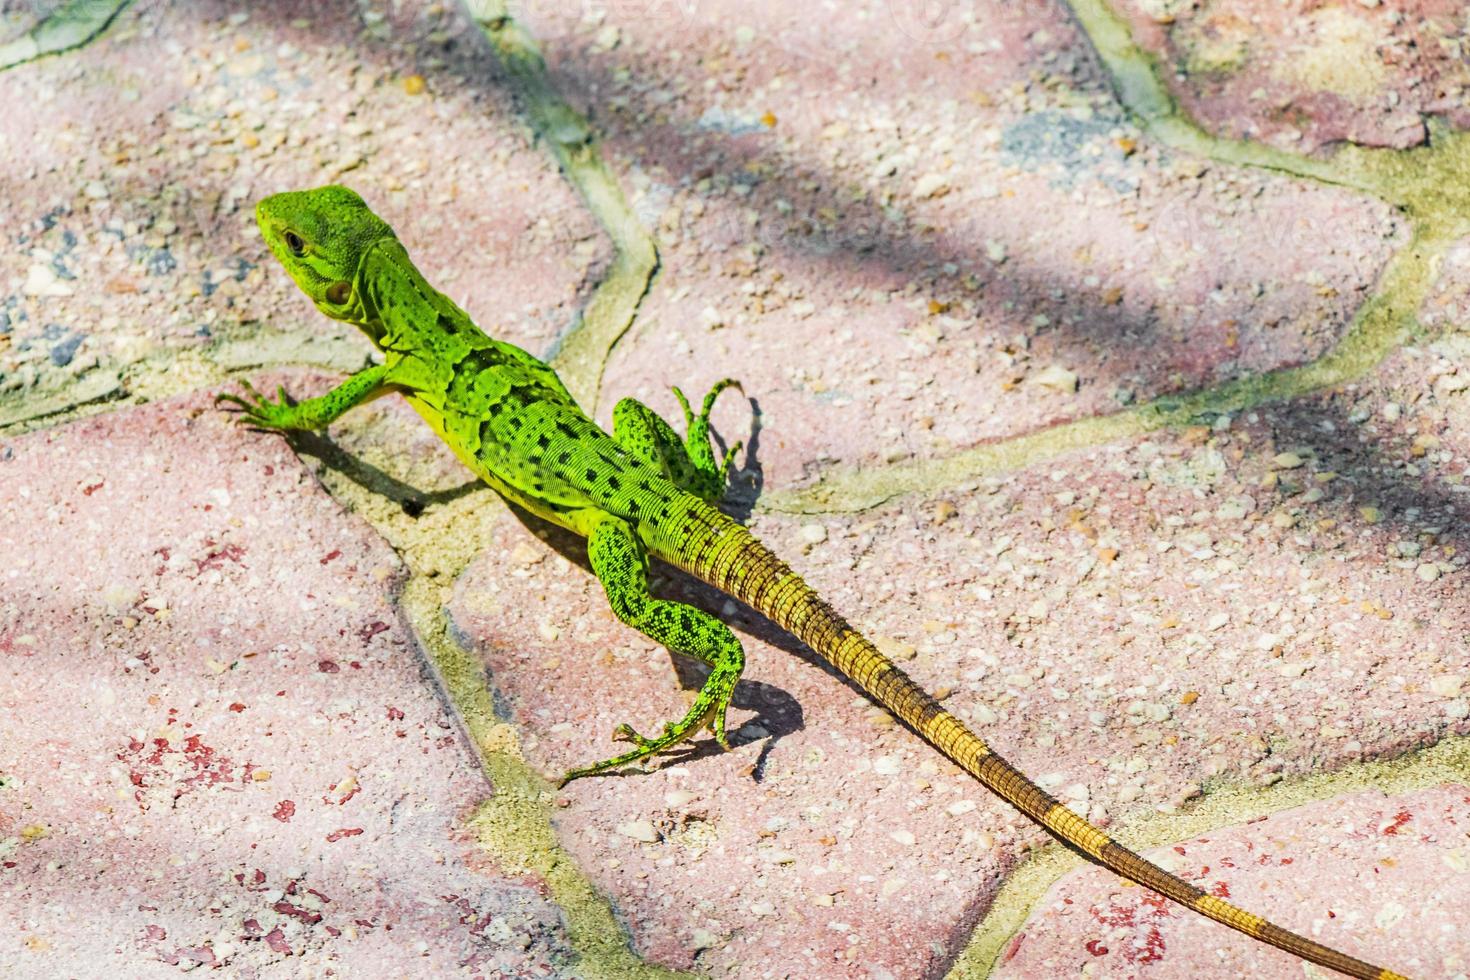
[{"x": 1108, "y": 362}]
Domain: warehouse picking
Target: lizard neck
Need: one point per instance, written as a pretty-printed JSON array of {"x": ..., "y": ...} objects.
[{"x": 395, "y": 305}]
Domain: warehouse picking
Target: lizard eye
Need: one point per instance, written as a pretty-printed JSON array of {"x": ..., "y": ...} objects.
[{"x": 295, "y": 244}]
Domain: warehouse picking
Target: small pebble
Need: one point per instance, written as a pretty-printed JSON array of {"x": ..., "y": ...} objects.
[
  {"x": 639, "y": 830},
  {"x": 931, "y": 185},
  {"x": 1446, "y": 685},
  {"x": 1056, "y": 378}
]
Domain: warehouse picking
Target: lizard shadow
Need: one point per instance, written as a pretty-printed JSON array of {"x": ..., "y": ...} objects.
[
  {"x": 413, "y": 500},
  {"x": 747, "y": 482}
]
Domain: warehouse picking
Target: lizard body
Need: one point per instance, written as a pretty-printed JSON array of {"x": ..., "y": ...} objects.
[{"x": 639, "y": 492}]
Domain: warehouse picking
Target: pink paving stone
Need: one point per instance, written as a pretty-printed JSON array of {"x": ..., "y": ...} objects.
[
  {"x": 221, "y": 746},
  {"x": 1303, "y": 75},
  {"x": 135, "y": 164},
  {"x": 1385, "y": 878},
  {"x": 891, "y": 241}
]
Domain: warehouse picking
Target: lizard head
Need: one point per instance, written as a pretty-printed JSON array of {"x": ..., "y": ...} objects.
[{"x": 320, "y": 236}]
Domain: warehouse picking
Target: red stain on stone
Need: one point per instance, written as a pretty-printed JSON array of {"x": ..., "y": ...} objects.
[
  {"x": 1095, "y": 947},
  {"x": 1399, "y": 819},
  {"x": 327, "y": 666},
  {"x": 207, "y": 768},
  {"x": 337, "y": 835},
  {"x": 1149, "y": 947},
  {"x": 148, "y": 769},
  {"x": 1153, "y": 948},
  {"x": 237, "y": 707},
  {"x": 197, "y": 955},
  {"x": 468, "y": 916},
  {"x": 371, "y": 630},
  {"x": 257, "y": 879},
  {"x": 91, "y": 488},
  {"x": 285, "y": 810},
  {"x": 1221, "y": 889},
  {"x": 331, "y": 556},
  {"x": 1158, "y": 903},
  {"x": 394, "y": 714},
  {"x": 1115, "y": 915},
  {"x": 327, "y": 797},
  {"x": 297, "y": 912},
  {"x": 218, "y": 555},
  {"x": 1013, "y": 947}
]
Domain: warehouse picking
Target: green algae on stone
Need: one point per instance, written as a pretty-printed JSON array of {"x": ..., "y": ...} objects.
[{"x": 69, "y": 26}]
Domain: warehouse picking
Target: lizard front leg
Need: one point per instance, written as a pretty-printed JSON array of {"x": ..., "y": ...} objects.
[
  {"x": 689, "y": 462},
  {"x": 619, "y": 560},
  {"x": 314, "y": 413}
]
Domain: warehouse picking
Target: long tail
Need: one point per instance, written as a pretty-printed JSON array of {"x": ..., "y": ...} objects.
[{"x": 723, "y": 553}]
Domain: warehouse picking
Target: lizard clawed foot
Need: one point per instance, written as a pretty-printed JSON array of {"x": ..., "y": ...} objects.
[
  {"x": 729, "y": 461},
  {"x": 625, "y": 733},
  {"x": 708, "y": 711},
  {"x": 712, "y": 479},
  {"x": 259, "y": 411},
  {"x": 709, "y": 402}
]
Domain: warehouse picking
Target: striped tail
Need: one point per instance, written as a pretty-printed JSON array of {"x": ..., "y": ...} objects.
[{"x": 727, "y": 556}]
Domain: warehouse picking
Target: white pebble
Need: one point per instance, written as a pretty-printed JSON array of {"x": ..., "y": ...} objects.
[
  {"x": 931, "y": 185},
  {"x": 639, "y": 830},
  {"x": 1057, "y": 378}
]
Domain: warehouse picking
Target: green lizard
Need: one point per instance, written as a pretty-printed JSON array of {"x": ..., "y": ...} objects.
[{"x": 639, "y": 492}]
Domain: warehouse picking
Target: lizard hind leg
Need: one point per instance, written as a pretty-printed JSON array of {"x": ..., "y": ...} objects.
[
  {"x": 689, "y": 462},
  {"x": 620, "y": 562}
]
